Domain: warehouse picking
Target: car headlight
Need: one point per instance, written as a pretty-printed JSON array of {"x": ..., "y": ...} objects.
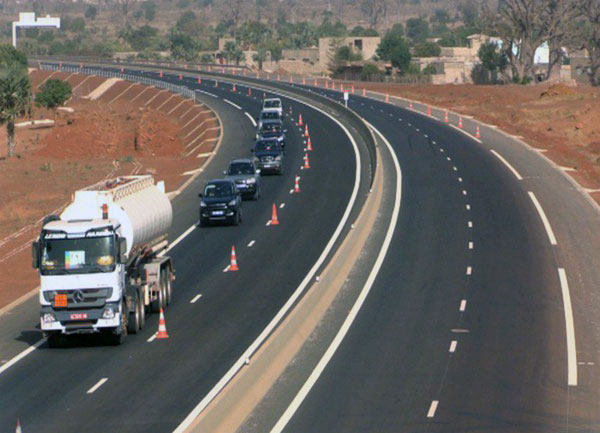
[
  {"x": 108, "y": 313},
  {"x": 232, "y": 202},
  {"x": 48, "y": 318},
  {"x": 49, "y": 296},
  {"x": 278, "y": 158},
  {"x": 202, "y": 204},
  {"x": 251, "y": 180}
]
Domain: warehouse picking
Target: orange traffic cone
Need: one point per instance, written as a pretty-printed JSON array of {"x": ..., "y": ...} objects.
[
  {"x": 300, "y": 120},
  {"x": 446, "y": 116},
  {"x": 309, "y": 145},
  {"x": 326, "y": 84},
  {"x": 160, "y": 74},
  {"x": 364, "y": 92},
  {"x": 429, "y": 110},
  {"x": 353, "y": 89},
  {"x": 297, "y": 185},
  {"x": 316, "y": 83},
  {"x": 387, "y": 97},
  {"x": 291, "y": 80},
  {"x": 410, "y": 105},
  {"x": 306, "y": 130},
  {"x": 477, "y": 132},
  {"x": 278, "y": 78},
  {"x": 341, "y": 87},
  {"x": 180, "y": 77},
  {"x": 249, "y": 91},
  {"x": 460, "y": 124},
  {"x": 274, "y": 220},
  {"x": 333, "y": 85},
  {"x": 303, "y": 81},
  {"x": 233, "y": 266},
  {"x": 162, "y": 327},
  {"x": 199, "y": 80},
  {"x": 306, "y": 164}
]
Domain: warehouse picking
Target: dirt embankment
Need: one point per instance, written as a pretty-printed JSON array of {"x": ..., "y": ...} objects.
[
  {"x": 128, "y": 129},
  {"x": 564, "y": 120}
]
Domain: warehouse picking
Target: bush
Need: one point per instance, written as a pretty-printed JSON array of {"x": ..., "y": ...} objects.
[
  {"x": 428, "y": 49},
  {"x": 370, "y": 72},
  {"x": 480, "y": 74},
  {"x": 53, "y": 93}
]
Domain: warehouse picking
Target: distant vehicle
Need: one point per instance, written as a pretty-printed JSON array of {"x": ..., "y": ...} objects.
[
  {"x": 246, "y": 177},
  {"x": 220, "y": 202},
  {"x": 272, "y": 130},
  {"x": 99, "y": 261},
  {"x": 268, "y": 114},
  {"x": 273, "y": 103},
  {"x": 268, "y": 156}
]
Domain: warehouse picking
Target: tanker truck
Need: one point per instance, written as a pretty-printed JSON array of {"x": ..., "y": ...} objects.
[{"x": 102, "y": 262}]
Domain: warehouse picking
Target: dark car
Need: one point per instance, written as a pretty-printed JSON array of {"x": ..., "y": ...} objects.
[
  {"x": 268, "y": 156},
  {"x": 246, "y": 177},
  {"x": 272, "y": 130},
  {"x": 221, "y": 202}
]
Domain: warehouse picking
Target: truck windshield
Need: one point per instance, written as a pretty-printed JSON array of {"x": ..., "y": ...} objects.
[{"x": 78, "y": 255}]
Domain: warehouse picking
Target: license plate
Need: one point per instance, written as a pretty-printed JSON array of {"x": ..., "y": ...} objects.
[
  {"x": 78, "y": 316},
  {"x": 60, "y": 300},
  {"x": 218, "y": 212},
  {"x": 268, "y": 165}
]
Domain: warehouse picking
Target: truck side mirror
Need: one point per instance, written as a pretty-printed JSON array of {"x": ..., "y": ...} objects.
[
  {"x": 35, "y": 254},
  {"x": 122, "y": 250}
]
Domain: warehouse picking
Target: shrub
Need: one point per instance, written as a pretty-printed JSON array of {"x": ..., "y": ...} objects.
[{"x": 53, "y": 93}]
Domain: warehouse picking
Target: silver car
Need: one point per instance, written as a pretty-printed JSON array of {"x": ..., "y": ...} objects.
[{"x": 246, "y": 177}]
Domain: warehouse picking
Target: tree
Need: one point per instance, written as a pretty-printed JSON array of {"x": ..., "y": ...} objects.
[
  {"x": 91, "y": 12},
  {"x": 587, "y": 35},
  {"x": 183, "y": 47},
  {"x": 53, "y": 93},
  {"x": 440, "y": 16},
  {"x": 373, "y": 10},
  {"x": 149, "y": 8},
  {"x": 493, "y": 60},
  {"x": 10, "y": 55},
  {"x": 370, "y": 72},
  {"x": 142, "y": 38},
  {"x": 232, "y": 52},
  {"x": 261, "y": 56},
  {"x": 394, "y": 48},
  {"x": 559, "y": 14},
  {"x": 417, "y": 29},
  {"x": 427, "y": 49},
  {"x": 15, "y": 92}
]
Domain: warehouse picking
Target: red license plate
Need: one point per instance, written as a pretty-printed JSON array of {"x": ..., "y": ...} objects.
[{"x": 78, "y": 316}]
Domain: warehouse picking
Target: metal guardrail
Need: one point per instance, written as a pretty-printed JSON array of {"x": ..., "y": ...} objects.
[{"x": 182, "y": 90}]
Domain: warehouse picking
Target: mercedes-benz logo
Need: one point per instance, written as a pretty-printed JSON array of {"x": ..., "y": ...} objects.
[{"x": 78, "y": 296}]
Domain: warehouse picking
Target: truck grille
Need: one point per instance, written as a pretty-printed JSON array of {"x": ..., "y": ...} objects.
[{"x": 84, "y": 298}]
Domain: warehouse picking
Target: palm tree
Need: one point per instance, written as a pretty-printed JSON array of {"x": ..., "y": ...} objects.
[{"x": 15, "y": 98}]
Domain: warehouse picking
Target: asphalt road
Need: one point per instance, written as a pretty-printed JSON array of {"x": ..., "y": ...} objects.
[
  {"x": 152, "y": 386},
  {"x": 464, "y": 329}
]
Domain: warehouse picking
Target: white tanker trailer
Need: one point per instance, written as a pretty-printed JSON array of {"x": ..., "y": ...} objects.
[{"x": 101, "y": 262}]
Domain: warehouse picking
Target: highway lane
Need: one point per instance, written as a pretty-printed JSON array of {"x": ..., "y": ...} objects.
[
  {"x": 48, "y": 389},
  {"x": 464, "y": 328}
]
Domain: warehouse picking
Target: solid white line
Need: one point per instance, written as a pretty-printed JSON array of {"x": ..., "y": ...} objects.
[
  {"x": 571, "y": 348},
  {"x": 453, "y": 346},
  {"x": 469, "y": 270},
  {"x": 195, "y": 298},
  {"x": 314, "y": 376},
  {"x": 543, "y": 217},
  {"x": 251, "y": 118},
  {"x": 98, "y": 385},
  {"x": 251, "y": 243},
  {"x": 152, "y": 338},
  {"x": 506, "y": 163},
  {"x": 432, "y": 409},
  {"x": 207, "y": 93},
  {"x": 297, "y": 293},
  {"x": 179, "y": 239},
  {"x": 466, "y": 133},
  {"x": 21, "y": 355},
  {"x": 463, "y": 305},
  {"x": 232, "y": 103},
  {"x": 470, "y": 245}
]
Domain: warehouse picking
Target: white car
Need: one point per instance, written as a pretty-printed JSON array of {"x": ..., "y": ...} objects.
[
  {"x": 273, "y": 104},
  {"x": 268, "y": 114}
]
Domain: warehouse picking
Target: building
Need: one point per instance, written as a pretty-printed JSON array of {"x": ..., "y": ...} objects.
[{"x": 366, "y": 45}]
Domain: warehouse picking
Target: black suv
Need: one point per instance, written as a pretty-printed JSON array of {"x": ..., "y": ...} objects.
[
  {"x": 221, "y": 201},
  {"x": 268, "y": 156}
]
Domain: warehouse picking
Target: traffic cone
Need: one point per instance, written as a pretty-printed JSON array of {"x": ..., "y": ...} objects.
[
  {"x": 233, "y": 266},
  {"x": 300, "y": 120},
  {"x": 233, "y": 89},
  {"x": 222, "y": 70},
  {"x": 303, "y": 81},
  {"x": 309, "y": 145},
  {"x": 291, "y": 80},
  {"x": 353, "y": 89},
  {"x": 429, "y": 110},
  {"x": 249, "y": 91},
  {"x": 162, "y": 327},
  {"x": 387, "y": 97},
  {"x": 216, "y": 83},
  {"x": 410, "y": 105},
  {"x": 199, "y": 80},
  {"x": 326, "y": 84},
  {"x": 364, "y": 92},
  {"x": 333, "y": 85},
  {"x": 160, "y": 74},
  {"x": 446, "y": 116},
  {"x": 180, "y": 77},
  {"x": 460, "y": 124},
  {"x": 278, "y": 78},
  {"x": 306, "y": 130},
  {"x": 306, "y": 164},
  {"x": 477, "y": 132},
  {"x": 316, "y": 83},
  {"x": 233, "y": 72},
  {"x": 274, "y": 220},
  {"x": 341, "y": 87},
  {"x": 297, "y": 185},
  {"x": 18, "y": 430}
]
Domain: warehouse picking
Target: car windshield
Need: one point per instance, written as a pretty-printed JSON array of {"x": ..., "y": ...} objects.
[
  {"x": 266, "y": 145},
  {"x": 271, "y": 128},
  {"x": 269, "y": 115},
  {"x": 217, "y": 190},
  {"x": 61, "y": 254},
  {"x": 237, "y": 168},
  {"x": 273, "y": 104}
]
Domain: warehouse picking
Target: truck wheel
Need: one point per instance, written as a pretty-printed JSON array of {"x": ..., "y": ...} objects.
[
  {"x": 169, "y": 286},
  {"x": 118, "y": 339},
  {"x": 163, "y": 287},
  {"x": 133, "y": 323},
  {"x": 142, "y": 311}
]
